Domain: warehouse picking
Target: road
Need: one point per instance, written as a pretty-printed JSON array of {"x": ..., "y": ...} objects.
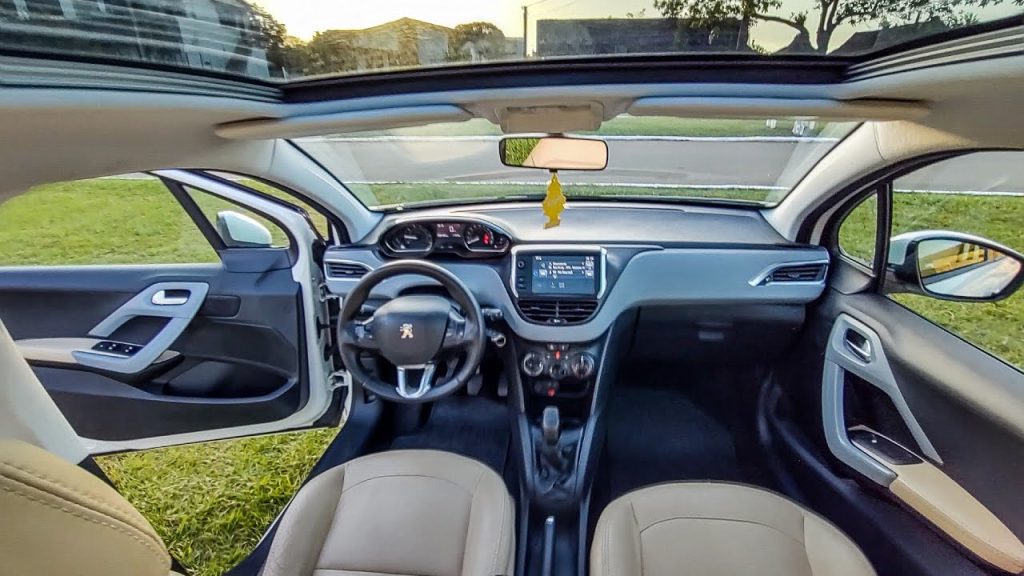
[{"x": 704, "y": 162}]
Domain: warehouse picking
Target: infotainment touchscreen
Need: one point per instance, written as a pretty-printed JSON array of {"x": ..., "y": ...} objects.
[{"x": 572, "y": 275}]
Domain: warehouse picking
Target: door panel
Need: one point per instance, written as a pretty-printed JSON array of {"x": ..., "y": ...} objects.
[
  {"x": 231, "y": 358},
  {"x": 958, "y": 404}
]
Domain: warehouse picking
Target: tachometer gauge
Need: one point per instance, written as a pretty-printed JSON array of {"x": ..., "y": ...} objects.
[
  {"x": 411, "y": 238},
  {"x": 480, "y": 238}
]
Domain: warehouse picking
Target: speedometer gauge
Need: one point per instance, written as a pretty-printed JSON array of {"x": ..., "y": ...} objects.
[
  {"x": 411, "y": 238},
  {"x": 480, "y": 238}
]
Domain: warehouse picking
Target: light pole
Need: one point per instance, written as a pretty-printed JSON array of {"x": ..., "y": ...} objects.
[{"x": 525, "y": 39}]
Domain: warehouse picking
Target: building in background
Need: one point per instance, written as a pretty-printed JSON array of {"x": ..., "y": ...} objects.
[
  {"x": 635, "y": 36},
  {"x": 216, "y": 35}
]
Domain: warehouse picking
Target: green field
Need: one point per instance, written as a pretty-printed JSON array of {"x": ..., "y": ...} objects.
[
  {"x": 620, "y": 126},
  {"x": 212, "y": 502}
]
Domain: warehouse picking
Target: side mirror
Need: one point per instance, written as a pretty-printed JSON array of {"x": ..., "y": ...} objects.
[
  {"x": 553, "y": 153},
  {"x": 954, "y": 266},
  {"x": 241, "y": 231}
]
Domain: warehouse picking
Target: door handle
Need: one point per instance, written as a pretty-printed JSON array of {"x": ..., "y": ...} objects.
[
  {"x": 858, "y": 345},
  {"x": 170, "y": 298}
]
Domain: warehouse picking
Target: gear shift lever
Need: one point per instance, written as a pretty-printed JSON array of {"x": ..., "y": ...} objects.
[{"x": 551, "y": 425}]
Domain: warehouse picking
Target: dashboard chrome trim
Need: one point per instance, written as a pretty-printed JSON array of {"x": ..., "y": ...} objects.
[{"x": 759, "y": 280}]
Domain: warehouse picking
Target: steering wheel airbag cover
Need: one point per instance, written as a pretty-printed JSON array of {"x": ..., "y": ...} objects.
[{"x": 410, "y": 329}]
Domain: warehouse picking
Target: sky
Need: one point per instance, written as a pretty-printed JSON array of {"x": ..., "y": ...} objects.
[{"x": 305, "y": 17}]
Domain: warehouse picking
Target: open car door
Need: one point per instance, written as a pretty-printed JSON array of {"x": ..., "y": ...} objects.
[
  {"x": 145, "y": 355},
  {"x": 909, "y": 390}
]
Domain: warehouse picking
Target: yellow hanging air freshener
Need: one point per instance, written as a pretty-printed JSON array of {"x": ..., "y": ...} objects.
[{"x": 554, "y": 202}]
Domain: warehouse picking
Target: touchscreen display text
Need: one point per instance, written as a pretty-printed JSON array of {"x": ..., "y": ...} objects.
[{"x": 565, "y": 275}]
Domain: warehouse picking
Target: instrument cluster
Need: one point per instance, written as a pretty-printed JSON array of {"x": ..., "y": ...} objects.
[{"x": 465, "y": 238}]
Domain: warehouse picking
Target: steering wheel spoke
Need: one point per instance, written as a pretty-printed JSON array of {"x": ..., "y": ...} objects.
[
  {"x": 426, "y": 381},
  {"x": 359, "y": 334}
]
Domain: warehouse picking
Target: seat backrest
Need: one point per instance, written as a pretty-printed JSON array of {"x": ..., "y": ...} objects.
[{"x": 59, "y": 519}]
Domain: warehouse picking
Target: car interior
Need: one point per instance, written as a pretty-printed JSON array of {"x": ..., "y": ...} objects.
[{"x": 540, "y": 382}]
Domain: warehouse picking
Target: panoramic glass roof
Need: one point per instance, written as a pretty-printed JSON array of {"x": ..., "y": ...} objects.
[
  {"x": 277, "y": 40},
  {"x": 749, "y": 161}
]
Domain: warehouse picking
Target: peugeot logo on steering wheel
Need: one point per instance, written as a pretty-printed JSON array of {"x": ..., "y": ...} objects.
[{"x": 406, "y": 331}]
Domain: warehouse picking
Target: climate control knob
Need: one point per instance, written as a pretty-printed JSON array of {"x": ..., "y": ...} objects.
[
  {"x": 533, "y": 364},
  {"x": 582, "y": 366}
]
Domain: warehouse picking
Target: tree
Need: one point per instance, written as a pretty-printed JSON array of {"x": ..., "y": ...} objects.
[
  {"x": 477, "y": 41},
  {"x": 271, "y": 35},
  {"x": 830, "y": 14}
]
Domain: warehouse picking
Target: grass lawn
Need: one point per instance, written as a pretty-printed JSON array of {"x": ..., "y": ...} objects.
[
  {"x": 391, "y": 194},
  {"x": 621, "y": 126},
  {"x": 212, "y": 502}
]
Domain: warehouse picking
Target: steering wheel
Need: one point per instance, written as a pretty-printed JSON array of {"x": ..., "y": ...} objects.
[{"x": 413, "y": 332}]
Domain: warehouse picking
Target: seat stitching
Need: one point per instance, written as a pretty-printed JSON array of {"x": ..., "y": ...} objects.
[
  {"x": 346, "y": 489},
  {"x": 705, "y": 518},
  {"x": 606, "y": 551},
  {"x": 73, "y": 490},
  {"x": 636, "y": 522},
  {"x": 501, "y": 534},
  {"x": 159, "y": 554}
]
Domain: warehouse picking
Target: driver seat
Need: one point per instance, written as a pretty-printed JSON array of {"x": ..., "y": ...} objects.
[{"x": 401, "y": 512}]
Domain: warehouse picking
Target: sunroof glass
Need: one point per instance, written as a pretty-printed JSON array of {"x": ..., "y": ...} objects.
[{"x": 281, "y": 40}]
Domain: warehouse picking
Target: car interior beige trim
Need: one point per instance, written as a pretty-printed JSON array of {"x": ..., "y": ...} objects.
[
  {"x": 59, "y": 519},
  {"x": 398, "y": 512},
  {"x": 27, "y": 412},
  {"x": 718, "y": 528},
  {"x": 937, "y": 497},
  {"x": 341, "y": 122}
]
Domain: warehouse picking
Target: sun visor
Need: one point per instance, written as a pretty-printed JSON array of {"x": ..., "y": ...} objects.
[
  {"x": 341, "y": 122},
  {"x": 855, "y": 110}
]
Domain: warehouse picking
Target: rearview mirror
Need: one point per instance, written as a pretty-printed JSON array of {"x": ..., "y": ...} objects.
[
  {"x": 553, "y": 153},
  {"x": 241, "y": 231},
  {"x": 953, "y": 266}
]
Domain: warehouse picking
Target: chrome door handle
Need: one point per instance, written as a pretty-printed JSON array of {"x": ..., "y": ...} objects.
[
  {"x": 858, "y": 345},
  {"x": 172, "y": 298}
]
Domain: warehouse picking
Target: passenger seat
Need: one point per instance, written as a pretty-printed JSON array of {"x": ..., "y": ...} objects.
[{"x": 716, "y": 529}]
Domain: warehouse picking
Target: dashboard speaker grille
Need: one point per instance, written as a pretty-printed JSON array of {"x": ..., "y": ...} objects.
[
  {"x": 557, "y": 311},
  {"x": 798, "y": 273},
  {"x": 346, "y": 270}
]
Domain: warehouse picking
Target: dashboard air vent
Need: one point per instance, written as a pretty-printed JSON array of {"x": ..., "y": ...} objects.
[
  {"x": 346, "y": 270},
  {"x": 797, "y": 273},
  {"x": 557, "y": 311}
]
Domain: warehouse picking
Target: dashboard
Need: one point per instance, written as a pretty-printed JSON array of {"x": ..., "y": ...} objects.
[{"x": 570, "y": 283}]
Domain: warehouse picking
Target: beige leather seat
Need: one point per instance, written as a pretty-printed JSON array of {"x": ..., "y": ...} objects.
[
  {"x": 56, "y": 518},
  {"x": 711, "y": 529},
  {"x": 404, "y": 512}
]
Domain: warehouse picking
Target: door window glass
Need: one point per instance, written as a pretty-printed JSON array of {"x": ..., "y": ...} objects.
[
  {"x": 238, "y": 227},
  {"x": 858, "y": 233},
  {"x": 131, "y": 219},
  {"x": 980, "y": 194}
]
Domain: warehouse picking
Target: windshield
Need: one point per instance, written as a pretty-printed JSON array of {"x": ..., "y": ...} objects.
[
  {"x": 293, "y": 39},
  {"x": 752, "y": 161}
]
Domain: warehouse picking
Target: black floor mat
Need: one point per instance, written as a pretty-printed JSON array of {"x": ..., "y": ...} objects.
[
  {"x": 477, "y": 428},
  {"x": 658, "y": 435}
]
